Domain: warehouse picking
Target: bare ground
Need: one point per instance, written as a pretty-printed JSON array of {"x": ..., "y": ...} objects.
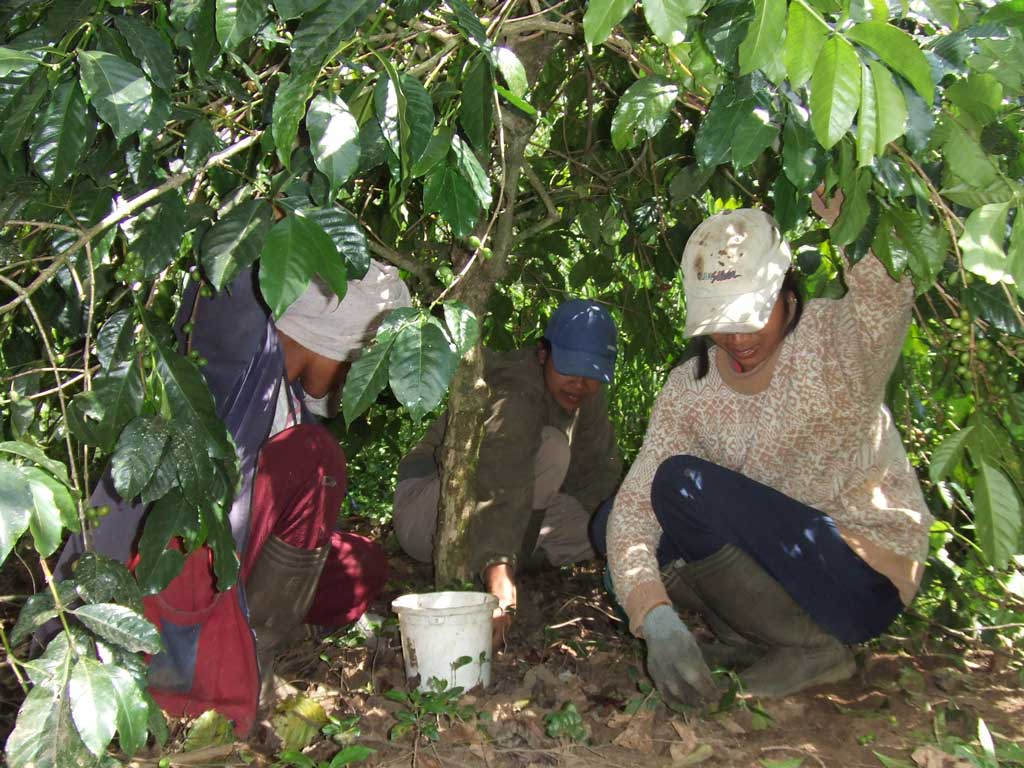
[{"x": 912, "y": 699}]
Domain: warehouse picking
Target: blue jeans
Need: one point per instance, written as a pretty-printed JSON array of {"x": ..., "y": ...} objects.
[{"x": 702, "y": 507}]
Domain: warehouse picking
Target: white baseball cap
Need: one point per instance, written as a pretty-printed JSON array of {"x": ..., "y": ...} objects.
[{"x": 733, "y": 267}]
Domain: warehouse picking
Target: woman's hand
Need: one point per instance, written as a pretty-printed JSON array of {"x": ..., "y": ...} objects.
[{"x": 828, "y": 210}]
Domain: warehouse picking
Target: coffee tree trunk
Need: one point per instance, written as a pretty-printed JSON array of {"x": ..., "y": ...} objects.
[{"x": 468, "y": 391}]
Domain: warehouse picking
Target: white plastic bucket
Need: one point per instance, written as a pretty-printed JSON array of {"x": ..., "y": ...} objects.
[{"x": 438, "y": 629}]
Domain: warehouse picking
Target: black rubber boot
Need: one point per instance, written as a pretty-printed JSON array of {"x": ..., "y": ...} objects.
[
  {"x": 279, "y": 593},
  {"x": 729, "y": 649},
  {"x": 798, "y": 653}
]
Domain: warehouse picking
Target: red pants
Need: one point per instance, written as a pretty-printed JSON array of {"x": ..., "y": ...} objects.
[{"x": 298, "y": 490}]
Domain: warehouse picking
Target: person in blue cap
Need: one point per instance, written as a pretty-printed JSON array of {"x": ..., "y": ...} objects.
[{"x": 547, "y": 461}]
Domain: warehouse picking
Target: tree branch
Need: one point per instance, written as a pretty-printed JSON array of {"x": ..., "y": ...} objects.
[{"x": 119, "y": 214}]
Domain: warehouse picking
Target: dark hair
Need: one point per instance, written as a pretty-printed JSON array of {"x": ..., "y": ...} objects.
[{"x": 790, "y": 283}]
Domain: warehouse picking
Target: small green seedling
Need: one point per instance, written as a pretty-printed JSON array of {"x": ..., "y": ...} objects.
[
  {"x": 343, "y": 730},
  {"x": 426, "y": 711},
  {"x": 566, "y": 723},
  {"x": 352, "y": 754}
]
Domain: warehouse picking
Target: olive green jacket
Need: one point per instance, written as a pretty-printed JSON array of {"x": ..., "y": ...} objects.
[{"x": 520, "y": 407}]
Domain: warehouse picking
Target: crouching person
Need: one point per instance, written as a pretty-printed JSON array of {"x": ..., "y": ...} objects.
[
  {"x": 772, "y": 493},
  {"x": 269, "y": 382},
  {"x": 547, "y": 460}
]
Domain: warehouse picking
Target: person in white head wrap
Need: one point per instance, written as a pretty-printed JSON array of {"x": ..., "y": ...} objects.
[{"x": 322, "y": 336}]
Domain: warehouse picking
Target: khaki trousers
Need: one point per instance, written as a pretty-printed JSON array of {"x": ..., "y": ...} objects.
[{"x": 563, "y": 534}]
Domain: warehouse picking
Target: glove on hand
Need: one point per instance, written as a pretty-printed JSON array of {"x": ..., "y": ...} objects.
[{"x": 674, "y": 660}]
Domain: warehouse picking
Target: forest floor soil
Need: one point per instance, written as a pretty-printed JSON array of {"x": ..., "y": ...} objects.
[{"x": 911, "y": 703}]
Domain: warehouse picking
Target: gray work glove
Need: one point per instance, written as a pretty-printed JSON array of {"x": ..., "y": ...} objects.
[{"x": 674, "y": 660}]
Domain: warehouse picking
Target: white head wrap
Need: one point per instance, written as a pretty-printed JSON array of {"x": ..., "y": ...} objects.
[{"x": 340, "y": 330}]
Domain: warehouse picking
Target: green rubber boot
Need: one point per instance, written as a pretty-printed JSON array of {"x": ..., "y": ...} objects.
[
  {"x": 279, "y": 593},
  {"x": 729, "y": 648},
  {"x": 798, "y": 653}
]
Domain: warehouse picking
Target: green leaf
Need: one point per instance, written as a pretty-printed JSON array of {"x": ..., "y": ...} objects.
[
  {"x": 39, "y": 609},
  {"x": 997, "y": 514},
  {"x": 463, "y": 326},
  {"x": 12, "y": 59},
  {"x": 835, "y": 91},
  {"x": 714, "y": 135},
  {"x": 235, "y": 241},
  {"x": 803, "y": 161},
  {"x": 981, "y": 244},
  {"x": 98, "y": 416},
  {"x": 138, "y": 453},
  {"x": 294, "y": 9},
  {"x": 116, "y": 339},
  {"x": 422, "y": 363},
  {"x": 601, "y": 17},
  {"x": 668, "y": 18},
  {"x": 93, "y": 706},
  {"x": 20, "y": 118},
  {"x": 892, "y": 762},
  {"x": 322, "y": 32},
  {"x": 44, "y": 736},
  {"x": 477, "y": 104},
  {"x": 193, "y": 467},
  {"x": 289, "y": 108},
  {"x": 512, "y": 70},
  {"x": 926, "y": 245},
  {"x": 446, "y": 191},
  {"x": 966, "y": 158},
  {"x": 436, "y": 151},
  {"x": 61, "y": 134},
  {"x": 855, "y": 211},
  {"x": 117, "y": 90},
  {"x": 121, "y": 626},
  {"x": 294, "y": 250},
  {"x": 52, "y": 507},
  {"x": 36, "y": 456},
  {"x": 348, "y": 237},
  {"x": 470, "y": 169},
  {"x": 469, "y": 24},
  {"x": 208, "y": 730},
  {"x": 155, "y": 234},
  {"x": 406, "y": 115},
  {"x": 945, "y": 458},
  {"x": 892, "y": 108},
  {"x": 764, "y": 36},
  {"x": 642, "y": 111},
  {"x": 754, "y": 133},
  {"x": 205, "y": 47},
  {"x": 132, "y": 711},
  {"x": 788, "y": 762},
  {"x": 867, "y": 120},
  {"x": 190, "y": 400},
  {"x": 238, "y": 20},
  {"x": 1015, "y": 254},
  {"x": 899, "y": 51},
  {"x": 366, "y": 378},
  {"x": 354, "y": 753},
  {"x": 806, "y": 34},
  {"x": 334, "y": 137},
  {"x": 101, "y": 579},
  {"x": 158, "y": 565},
  {"x": 150, "y": 48}
]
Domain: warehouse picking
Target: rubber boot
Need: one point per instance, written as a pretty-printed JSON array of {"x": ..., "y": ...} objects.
[
  {"x": 729, "y": 649},
  {"x": 279, "y": 593},
  {"x": 799, "y": 654}
]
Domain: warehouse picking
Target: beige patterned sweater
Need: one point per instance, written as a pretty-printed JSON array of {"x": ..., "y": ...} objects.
[{"x": 810, "y": 422}]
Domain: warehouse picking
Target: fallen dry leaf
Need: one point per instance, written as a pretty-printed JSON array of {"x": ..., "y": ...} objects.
[
  {"x": 687, "y": 738},
  {"x": 698, "y": 755},
  {"x": 931, "y": 756},
  {"x": 638, "y": 734}
]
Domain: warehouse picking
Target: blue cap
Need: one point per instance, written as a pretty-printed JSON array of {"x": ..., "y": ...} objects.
[{"x": 583, "y": 340}]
